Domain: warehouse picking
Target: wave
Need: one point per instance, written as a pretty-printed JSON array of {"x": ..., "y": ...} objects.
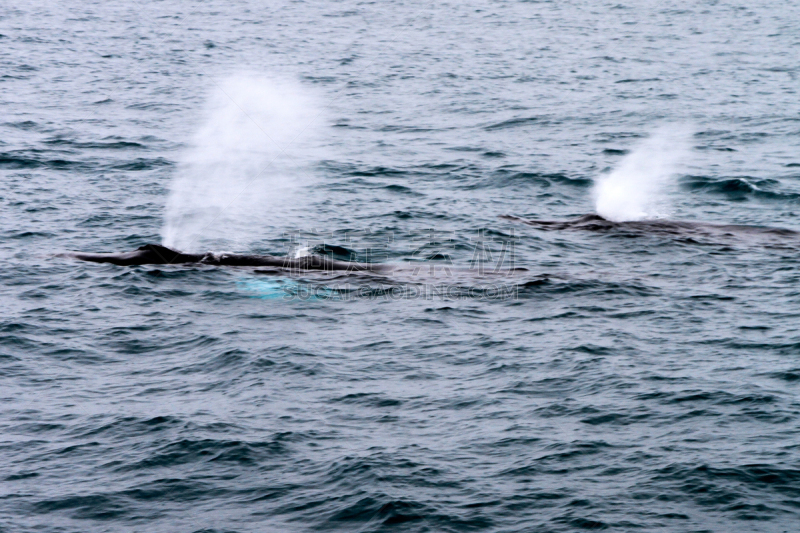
[
  {"x": 509, "y": 179},
  {"x": 11, "y": 161},
  {"x": 515, "y": 123},
  {"x": 112, "y": 145},
  {"x": 28, "y": 161},
  {"x": 739, "y": 188}
]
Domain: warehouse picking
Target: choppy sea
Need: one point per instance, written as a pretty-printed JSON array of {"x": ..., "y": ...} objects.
[{"x": 519, "y": 379}]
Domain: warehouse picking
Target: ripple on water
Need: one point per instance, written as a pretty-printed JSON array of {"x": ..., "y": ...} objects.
[{"x": 633, "y": 379}]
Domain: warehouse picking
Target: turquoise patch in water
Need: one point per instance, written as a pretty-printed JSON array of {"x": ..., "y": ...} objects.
[{"x": 269, "y": 289}]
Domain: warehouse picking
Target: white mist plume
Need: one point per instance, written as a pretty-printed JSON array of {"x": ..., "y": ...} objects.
[
  {"x": 245, "y": 165},
  {"x": 635, "y": 190}
]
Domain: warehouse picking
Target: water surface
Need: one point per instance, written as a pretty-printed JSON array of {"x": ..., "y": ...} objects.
[{"x": 631, "y": 382}]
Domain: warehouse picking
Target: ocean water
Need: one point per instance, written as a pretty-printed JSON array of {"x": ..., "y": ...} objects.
[{"x": 513, "y": 378}]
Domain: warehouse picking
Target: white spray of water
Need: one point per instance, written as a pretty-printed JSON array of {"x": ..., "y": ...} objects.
[
  {"x": 636, "y": 189},
  {"x": 246, "y": 165}
]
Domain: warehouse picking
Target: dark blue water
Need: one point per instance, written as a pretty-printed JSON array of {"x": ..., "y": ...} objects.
[{"x": 626, "y": 381}]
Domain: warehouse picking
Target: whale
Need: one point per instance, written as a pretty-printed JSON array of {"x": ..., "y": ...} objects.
[
  {"x": 155, "y": 254},
  {"x": 687, "y": 230}
]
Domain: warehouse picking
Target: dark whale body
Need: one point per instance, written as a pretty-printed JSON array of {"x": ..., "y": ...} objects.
[
  {"x": 154, "y": 254},
  {"x": 677, "y": 228}
]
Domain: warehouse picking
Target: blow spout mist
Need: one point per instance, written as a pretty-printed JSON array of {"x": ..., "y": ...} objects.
[
  {"x": 244, "y": 168},
  {"x": 636, "y": 189}
]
